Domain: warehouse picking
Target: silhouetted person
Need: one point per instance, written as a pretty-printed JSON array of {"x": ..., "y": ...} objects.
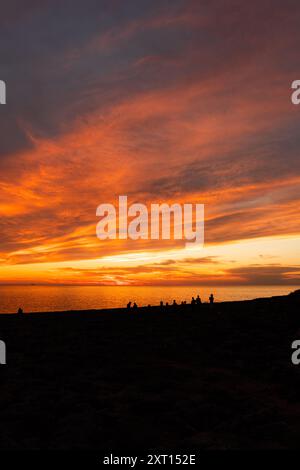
[
  {"x": 193, "y": 301},
  {"x": 161, "y": 304},
  {"x": 174, "y": 303},
  {"x": 211, "y": 299},
  {"x": 129, "y": 305},
  {"x": 20, "y": 311},
  {"x": 198, "y": 300},
  {"x": 135, "y": 306},
  {"x": 167, "y": 304}
]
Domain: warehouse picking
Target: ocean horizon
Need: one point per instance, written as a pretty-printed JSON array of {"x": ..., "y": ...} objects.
[{"x": 41, "y": 298}]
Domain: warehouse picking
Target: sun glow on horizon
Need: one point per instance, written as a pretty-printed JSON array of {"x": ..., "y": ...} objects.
[{"x": 230, "y": 262}]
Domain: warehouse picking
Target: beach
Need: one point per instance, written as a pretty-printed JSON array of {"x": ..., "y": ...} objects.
[{"x": 202, "y": 377}]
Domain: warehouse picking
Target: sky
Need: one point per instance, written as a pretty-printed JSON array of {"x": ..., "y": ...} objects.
[{"x": 162, "y": 101}]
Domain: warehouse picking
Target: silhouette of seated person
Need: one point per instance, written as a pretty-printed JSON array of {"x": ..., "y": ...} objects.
[
  {"x": 20, "y": 311},
  {"x": 174, "y": 303},
  {"x": 211, "y": 299},
  {"x": 128, "y": 305},
  {"x": 135, "y": 307},
  {"x": 193, "y": 302},
  {"x": 198, "y": 300}
]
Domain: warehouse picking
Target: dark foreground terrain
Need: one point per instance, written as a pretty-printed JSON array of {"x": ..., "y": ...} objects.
[{"x": 219, "y": 378}]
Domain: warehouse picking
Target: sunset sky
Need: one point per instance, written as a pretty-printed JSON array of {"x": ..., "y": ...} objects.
[{"x": 162, "y": 101}]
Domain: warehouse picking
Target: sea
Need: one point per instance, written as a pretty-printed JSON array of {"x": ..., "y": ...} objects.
[{"x": 36, "y": 298}]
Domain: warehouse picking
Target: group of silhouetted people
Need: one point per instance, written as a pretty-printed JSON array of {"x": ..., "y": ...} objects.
[
  {"x": 134, "y": 306},
  {"x": 194, "y": 301}
]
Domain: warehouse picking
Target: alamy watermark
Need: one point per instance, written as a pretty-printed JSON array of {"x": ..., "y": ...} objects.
[
  {"x": 2, "y": 352},
  {"x": 295, "y": 358},
  {"x": 296, "y": 94},
  {"x": 2, "y": 92},
  {"x": 159, "y": 222}
]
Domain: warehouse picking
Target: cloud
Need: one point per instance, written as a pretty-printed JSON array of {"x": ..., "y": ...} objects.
[
  {"x": 271, "y": 274},
  {"x": 181, "y": 102}
]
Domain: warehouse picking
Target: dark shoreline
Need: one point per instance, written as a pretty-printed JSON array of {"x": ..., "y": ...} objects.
[
  {"x": 170, "y": 308},
  {"x": 186, "y": 378}
]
